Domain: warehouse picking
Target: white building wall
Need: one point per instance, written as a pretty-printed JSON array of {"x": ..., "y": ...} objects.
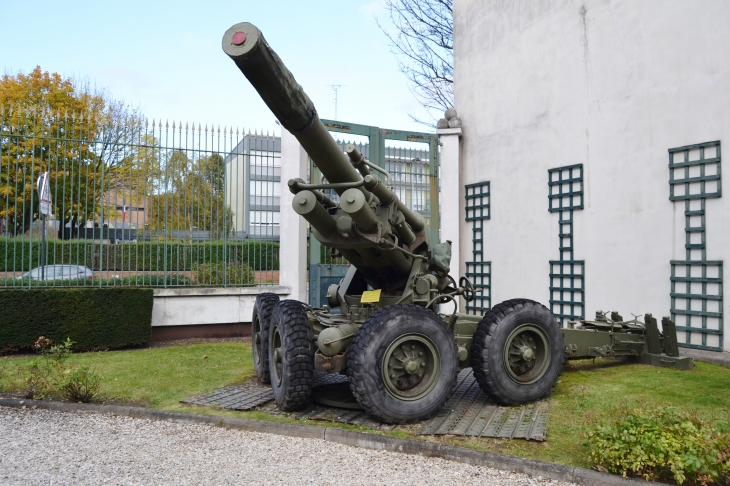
[
  {"x": 236, "y": 190},
  {"x": 611, "y": 85}
]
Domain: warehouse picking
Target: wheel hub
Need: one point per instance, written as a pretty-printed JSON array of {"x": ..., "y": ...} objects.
[
  {"x": 527, "y": 354},
  {"x": 410, "y": 367}
]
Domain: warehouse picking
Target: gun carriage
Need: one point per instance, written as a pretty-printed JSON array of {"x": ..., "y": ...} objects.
[{"x": 401, "y": 356}]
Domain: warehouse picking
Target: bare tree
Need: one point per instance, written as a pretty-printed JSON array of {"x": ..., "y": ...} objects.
[
  {"x": 423, "y": 40},
  {"x": 119, "y": 125}
]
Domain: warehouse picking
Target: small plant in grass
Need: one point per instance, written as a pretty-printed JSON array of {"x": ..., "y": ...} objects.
[
  {"x": 53, "y": 374},
  {"x": 582, "y": 401},
  {"x": 80, "y": 384},
  {"x": 661, "y": 444},
  {"x": 57, "y": 354}
]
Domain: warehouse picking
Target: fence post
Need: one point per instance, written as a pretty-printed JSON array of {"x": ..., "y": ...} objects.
[
  {"x": 292, "y": 227},
  {"x": 451, "y": 196}
]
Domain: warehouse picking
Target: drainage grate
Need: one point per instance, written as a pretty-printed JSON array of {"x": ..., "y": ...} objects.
[{"x": 469, "y": 412}]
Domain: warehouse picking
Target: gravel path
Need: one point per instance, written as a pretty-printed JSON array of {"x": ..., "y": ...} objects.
[{"x": 44, "y": 447}]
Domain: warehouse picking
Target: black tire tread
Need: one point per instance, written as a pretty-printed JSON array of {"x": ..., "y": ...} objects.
[
  {"x": 483, "y": 340},
  {"x": 264, "y": 306},
  {"x": 356, "y": 368},
  {"x": 298, "y": 362}
]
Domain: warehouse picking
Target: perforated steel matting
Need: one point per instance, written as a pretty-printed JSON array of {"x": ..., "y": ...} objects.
[{"x": 469, "y": 412}]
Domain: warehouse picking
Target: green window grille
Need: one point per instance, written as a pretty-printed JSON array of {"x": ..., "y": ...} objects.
[
  {"x": 696, "y": 283},
  {"x": 478, "y": 271},
  {"x": 698, "y": 178},
  {"x": 567, "y": 275}
]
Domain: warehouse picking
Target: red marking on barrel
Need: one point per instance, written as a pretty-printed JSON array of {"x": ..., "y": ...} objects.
[{"x": 239, "y": 38}]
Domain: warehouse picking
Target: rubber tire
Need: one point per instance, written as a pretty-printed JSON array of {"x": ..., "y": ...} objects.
[
  {"x": 297, "y": 374},
  {"x": 262, "y": 310},
  {"x": 366, "y": 353},
  {"x": 488, "y": 345}
]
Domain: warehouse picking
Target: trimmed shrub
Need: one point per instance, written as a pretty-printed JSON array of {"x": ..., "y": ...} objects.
[
  {"x": 146, "y": 280},
  {"x": 20, "y": 255},
  {"x": 159, "y": 280},
  {"x": 94, "y": 318},
  {"x": 325, "y": 256},
  {"x": 662, "y": 444},
  {"x": 215, "y": 274}
]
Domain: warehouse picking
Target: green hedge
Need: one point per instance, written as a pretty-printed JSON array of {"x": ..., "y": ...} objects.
[
  {"x": 154, "y": 280},
  {"x": 325, "y": 256},
  {"x": 19, "y": 255},
  {"x": 105, "y": 318}
]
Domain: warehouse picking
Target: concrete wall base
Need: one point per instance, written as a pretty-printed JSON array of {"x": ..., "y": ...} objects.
[
  {"x": 181, "y": 307},
  {"x": 172, "y": 333}
]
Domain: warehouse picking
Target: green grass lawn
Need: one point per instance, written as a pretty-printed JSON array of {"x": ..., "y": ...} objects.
[
  {"x": 587, "y": 394},
  {"x": 157, "y": 377}
]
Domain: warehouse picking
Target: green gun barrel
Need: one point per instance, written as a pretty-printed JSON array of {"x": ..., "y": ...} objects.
[{"x": 245, "y": 45}]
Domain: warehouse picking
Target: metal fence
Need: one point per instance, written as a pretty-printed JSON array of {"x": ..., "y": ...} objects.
[
  {"x": 136, "y": 202},
  {"x": 412, "y": 161}
]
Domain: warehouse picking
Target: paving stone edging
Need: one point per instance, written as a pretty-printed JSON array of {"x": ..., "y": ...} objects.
[{"x": 347, "y": 437}]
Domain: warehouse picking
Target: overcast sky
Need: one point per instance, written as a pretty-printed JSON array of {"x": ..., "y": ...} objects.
[{"x": 166, "y": 57}]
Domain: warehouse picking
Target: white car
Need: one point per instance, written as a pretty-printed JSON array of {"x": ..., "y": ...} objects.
[{"x": 59, "y": 272}]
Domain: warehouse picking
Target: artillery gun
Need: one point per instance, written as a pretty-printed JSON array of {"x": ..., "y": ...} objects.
[{"x": 401, "y": 356}]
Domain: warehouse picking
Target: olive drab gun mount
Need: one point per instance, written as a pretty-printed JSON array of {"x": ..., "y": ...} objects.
[{"x": 400, "y": 355}]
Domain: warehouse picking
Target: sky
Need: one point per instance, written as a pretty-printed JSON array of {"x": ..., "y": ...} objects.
[{"x": 165, "y": 57}]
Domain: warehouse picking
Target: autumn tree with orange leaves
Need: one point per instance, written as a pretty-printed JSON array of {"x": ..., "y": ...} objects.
[{"x": 80, "y": 135}]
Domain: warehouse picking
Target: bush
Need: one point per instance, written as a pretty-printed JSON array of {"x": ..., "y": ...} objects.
[
  {"x": 20, "y": 255},
  {"x": 80, "y": 385},
  {"x": 145, "y": 280},
  {"x": 661, "y": 444},
  {"x": 234, "y": 273},
  {"x": 95, "y": 318},
  {"x": 158, "y": 280},
  {"x": 51, "y": 375}
]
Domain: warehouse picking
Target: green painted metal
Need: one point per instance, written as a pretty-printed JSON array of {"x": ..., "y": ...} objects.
[
  {"x": 566, "y": 188},
  {"x": 138, "y": 202},
  {"x": 378, "y": 153},
  {"x": 706, "y": 184},
  {"x": 696, "y": 282},
  {"x": 479, "y": 271},
  {"x": 399, "y": 267},
  {"x": 410, "y": 367},
  {"x": 527, "y": 354},
  {"x": 613, "y": 337},
  {"x": 414, "y": 182},
  {"x": 321, "y": 276},
  {"x": 324, "y": 269},
  {"x": 567, "y": 275}
]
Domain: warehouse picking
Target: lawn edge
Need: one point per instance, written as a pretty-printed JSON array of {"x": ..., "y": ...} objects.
[{"x": 347, "y": 437}]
